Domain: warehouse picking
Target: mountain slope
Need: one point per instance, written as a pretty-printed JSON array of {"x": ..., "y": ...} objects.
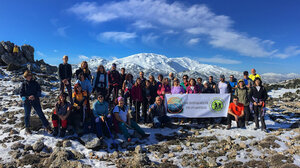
[{"x": 155, "y": 64}]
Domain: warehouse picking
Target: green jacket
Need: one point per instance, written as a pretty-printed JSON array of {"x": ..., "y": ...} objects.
[{"x": 243, "y": 95}]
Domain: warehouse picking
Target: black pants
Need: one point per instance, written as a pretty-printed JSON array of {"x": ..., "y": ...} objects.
[
  {"x": 258, "y": 112},
  {"x": 247, "y": 113},
  {"x": 145, "y": 107},
  {"x": 113, "y": 90},
  {"x": 240, "y": 123},
  {"x": 69, "y": 88},
  {"x": 137, "y": 106}
]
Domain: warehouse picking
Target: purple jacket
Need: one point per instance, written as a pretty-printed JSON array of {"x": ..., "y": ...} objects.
[{"x": 177, "y": 90}]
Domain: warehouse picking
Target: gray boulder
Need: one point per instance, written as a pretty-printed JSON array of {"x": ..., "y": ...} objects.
[
  {"x": 8, "y": 46},
  {"x": 38, "y": 146},
  {"x": 28, "y": 52}
]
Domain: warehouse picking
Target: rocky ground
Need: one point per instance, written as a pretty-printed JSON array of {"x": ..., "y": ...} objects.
[{"x": 188, "y": 145}]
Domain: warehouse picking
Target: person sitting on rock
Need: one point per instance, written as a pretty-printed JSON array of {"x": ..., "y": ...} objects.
[
  {"x": 102, "y": 117},
  {"x": 235, "y": 112},
  {"x": 157, "y": 113},
  {"x": 30, "y": 93},
  {"x": 122, "y": 116},
  {"x": 80, "y": 103},
  {"x": 61, "y": 114}
]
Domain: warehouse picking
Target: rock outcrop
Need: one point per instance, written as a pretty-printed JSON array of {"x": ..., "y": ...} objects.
[{"x": 22, "y": 60}]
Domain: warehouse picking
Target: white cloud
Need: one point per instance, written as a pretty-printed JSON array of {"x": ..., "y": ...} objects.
[
  {"x": 219, "y": 60},
  {"x": 41, "y": 54},
  {"x": 149, "y": 38},
  {"x": 83, "y": 57},
  {"x": 143, "y": 25},
  {"x": 116, "y": 36},
  {"x": 196, "y": 20},
  {"x": 289, "y": 52},
  {"x": 193, "y": 41},
  {"x": 61, "y": 31}
]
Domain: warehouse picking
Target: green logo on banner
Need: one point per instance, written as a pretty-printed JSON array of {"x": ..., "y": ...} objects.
[{"x": 217, "y": 105}]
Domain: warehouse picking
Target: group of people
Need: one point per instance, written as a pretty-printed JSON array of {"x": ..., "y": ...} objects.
[{"x": 120, "y": 98}]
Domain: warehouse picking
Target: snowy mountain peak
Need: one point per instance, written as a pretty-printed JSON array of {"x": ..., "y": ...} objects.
[{"x": 155, "y": 64}]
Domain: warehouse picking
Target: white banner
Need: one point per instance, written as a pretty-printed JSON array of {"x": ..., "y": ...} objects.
[{"x": 197, "y": 105}]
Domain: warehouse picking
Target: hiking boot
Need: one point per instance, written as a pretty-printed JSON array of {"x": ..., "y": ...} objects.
[
  {"x": 55, "y": 132},
  {"x": 256, "y": 128},
  {"x": 62, "y": 133},
  {"x": 228, "y": 127},
  {"x": 246, "y": 123},
  {"x": 28, "y": 131},
  {"x": 49, "y": 129}
]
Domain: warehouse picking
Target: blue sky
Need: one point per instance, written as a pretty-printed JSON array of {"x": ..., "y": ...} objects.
[{"x": 233, "y": 34}]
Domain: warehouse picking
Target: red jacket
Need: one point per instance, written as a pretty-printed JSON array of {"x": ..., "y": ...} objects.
[
  {"x": 137, "y": 93},
  {"x": 162, "y": 88},
  {"x": 196, "y": 90}
]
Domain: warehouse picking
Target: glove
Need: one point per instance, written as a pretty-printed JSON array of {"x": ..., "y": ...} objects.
[
  {"x": 23, "y": 98},
  {"x": 97, "y": 120}
]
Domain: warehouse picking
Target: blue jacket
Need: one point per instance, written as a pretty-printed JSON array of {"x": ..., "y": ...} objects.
[
  {"x": 100, "y": 109},
  {"x": 86, "y": 85}
]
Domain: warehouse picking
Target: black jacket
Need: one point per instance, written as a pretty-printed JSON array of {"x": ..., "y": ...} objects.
[
  {"x": 29, "y": 88},
  {"x": 208, "y": 90},
  {"x": 257, "y": 96},
  {"x": 64, "y": 71},
  {"x": 87, "y": 75},
  {"x": 151, "y": 92}
]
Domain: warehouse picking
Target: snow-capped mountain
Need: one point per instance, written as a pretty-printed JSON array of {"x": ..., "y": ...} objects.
[{"x": 154, "y": 64}]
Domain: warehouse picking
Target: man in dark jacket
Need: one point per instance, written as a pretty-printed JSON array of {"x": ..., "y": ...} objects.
[
  {"x": 30, "y": 93},
  {"x": 158, "y": 114},
  {"x": 65, "y": 76},
  {"x": 114, "y": 81}
]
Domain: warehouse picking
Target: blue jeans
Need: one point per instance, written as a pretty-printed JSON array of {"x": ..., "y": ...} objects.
[
  {"x": 100, "y": 125},
  {"x": 28, "y": 104},
  {"x": 134, "y": 125},
  {"x": 161, "y": 120}
]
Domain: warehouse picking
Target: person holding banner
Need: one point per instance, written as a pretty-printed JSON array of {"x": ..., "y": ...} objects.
[
  {"x": 206, "y": 88},
  {"x": 124, "y": 121},
  {"x": 157, "y": 114},
  {"x": 223, "y": 86},
  {"x": 193, "y": 88},
  {"x": 164, "y": 88},
  {"x": 235, "y": 112},
  {"x": 177, "y": 88}
]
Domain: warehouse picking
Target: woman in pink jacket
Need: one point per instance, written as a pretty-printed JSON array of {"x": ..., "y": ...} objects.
[
  {"x": 193, "y": 88},
  {"x": 164, "y": 88}
]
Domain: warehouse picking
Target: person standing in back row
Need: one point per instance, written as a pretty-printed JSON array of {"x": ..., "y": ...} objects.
[
  {"x": 223, "y": 86},
  {"x": 84, "y": 69},
  {"x": 254, "y": 75},
  {"x": 65, "y": 76},
  {"x": 114, "y": 82},
  {"x": 248, "y": 82},
  {"x": 100, "y": 82},
  {"x": 123, "y": 76}
]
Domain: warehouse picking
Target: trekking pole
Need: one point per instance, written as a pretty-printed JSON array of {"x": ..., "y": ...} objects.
[
  {"x": 114, "y": 143},
  {"x": 83, "y": 118}
]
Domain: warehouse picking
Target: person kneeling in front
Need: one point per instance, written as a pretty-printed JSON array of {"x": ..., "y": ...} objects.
[
  {"x": 122, "y": 116},
  {"x": 157, "y": 113},
  {"x": 236, "y": 112}
]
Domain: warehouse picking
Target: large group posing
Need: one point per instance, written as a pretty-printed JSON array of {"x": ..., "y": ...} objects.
[{"x": 120, "y": 98}]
